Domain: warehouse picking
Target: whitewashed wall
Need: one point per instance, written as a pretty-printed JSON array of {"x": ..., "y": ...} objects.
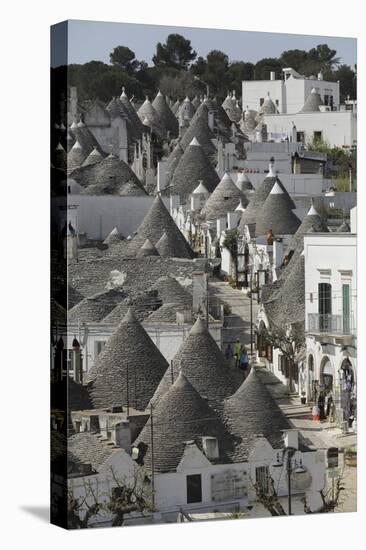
[{"x": 338, "y": 127}]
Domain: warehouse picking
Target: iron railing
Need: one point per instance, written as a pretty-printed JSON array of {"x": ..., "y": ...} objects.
[{"x": 330, "y": 324}]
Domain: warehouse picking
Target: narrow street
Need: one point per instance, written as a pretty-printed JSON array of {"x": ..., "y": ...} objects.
[{"x": 238, "y": 320}]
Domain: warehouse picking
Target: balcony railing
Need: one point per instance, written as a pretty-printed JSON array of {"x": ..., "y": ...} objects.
[{"x": 330, "y": 324}]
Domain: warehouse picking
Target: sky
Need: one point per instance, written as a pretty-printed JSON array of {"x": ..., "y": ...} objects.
[{"x": 94, "y": 40}]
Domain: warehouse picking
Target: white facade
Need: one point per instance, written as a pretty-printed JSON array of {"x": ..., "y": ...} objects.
[
  {"x": 331, "y": 315},
  {"x": 337, "y": 128},
  {"x": 289, "y": 95},
  {"x": 236, "y": 480},
  {"x": 167, "y": 337}
]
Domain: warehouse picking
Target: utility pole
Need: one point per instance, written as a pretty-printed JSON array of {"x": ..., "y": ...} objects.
[
  {"x": 127, "y": 390},
  {"x": 289, "y": 482},
  {"x": 251, "y": 316},
  {"x": 152, "y": 457}
]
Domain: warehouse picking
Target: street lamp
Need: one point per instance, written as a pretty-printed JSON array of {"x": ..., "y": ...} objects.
[{"x": 205, "y": 83}]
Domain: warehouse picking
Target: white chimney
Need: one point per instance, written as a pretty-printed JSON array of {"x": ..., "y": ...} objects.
[
  {"x": 232, "y": 220},
  {"x": 161, "y": 184},
  {"x": 121, "y": 435},
  {"x": 174, "y": 202},
  {"x": 272, "y": 75},
  {"x": 220, "y": 226},
  {"x": 291, "y": 439},
  {"x": 320, "y": 75},
  {"x": 211, "y": 120},
  {"x": 277, "y": 252},
  {"x": 210, "y": 447},
  {"x": 199, "y": 291}
]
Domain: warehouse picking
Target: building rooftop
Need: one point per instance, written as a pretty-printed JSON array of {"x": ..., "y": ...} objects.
[{"x": 129, "y": 368}]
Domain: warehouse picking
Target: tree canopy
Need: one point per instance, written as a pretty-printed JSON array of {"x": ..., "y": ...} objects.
[
  {"x": 177, "y": 52},
  {"x": 176, "y": 64}
]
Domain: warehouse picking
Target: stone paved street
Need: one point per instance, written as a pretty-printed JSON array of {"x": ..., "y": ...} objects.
[{"x": 238, "y": 321}]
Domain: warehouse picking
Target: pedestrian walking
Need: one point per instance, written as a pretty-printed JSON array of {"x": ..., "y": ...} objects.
[
  {"x": 237, "y": 350},
  {"x": 243, "y": 361},
  {"x": 229, "y": 352},
  {"x": 321, "y": 405}
]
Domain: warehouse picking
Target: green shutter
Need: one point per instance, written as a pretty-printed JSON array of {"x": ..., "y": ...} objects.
[{"x": 345, "y": 296}]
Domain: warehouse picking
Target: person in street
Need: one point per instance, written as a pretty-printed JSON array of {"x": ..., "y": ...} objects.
[
  {"x": 321, "y": 405},
  {"x": 229, "y": 352},
  {"x": 237, "y": 351},
  {"x": 243, "y": 361}
]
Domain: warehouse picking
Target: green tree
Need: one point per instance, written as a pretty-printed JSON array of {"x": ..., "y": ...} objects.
[
  {"x": 237, "y": 72},
  {"x": 347, "y": 82},
  {"x": 263, "y": 68},
  {"x": 176, "y": 52},
  {"x": 124, "y": 58},
  {"x": 324, "y": 57},
  {"x": 296, "y": 59}
]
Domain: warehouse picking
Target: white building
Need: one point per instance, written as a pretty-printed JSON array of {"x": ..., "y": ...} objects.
[
  {"x": 337, "y": 128},
  {"x": 288, "y": 93},
  {"x": 331, "y": 318}
]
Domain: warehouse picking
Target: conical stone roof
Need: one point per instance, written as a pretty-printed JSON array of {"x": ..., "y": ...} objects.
[
  {"x": 186, "y": 110},
  {"x": 135, "y": 121},
  {"x": 200, "y": 130},
  {"x": 76, "y": 156},
  {"x": 156, "y": 222},
  {"x": 167, "y": 246},
  {"x": 225, "y": 198},
  {"x": 257, "y": 199},
  {"x": 172, "y": 162},
  {"x": 150, "y": 117},
  {"x": 84, "y": 136},
  {"x": 311, "y": 221},
  {"x": 243, "y": 183},
  {"x": 166, "y": 117},
  {"x": 129, "y": 351},
  {"x": 94, "y": 308},
  {"x": 182, "y": 415},
  {"x": 147, "y": 249},
  {"x": 268, "y": 107},
  {"x": 143, "y": 303},
  {"x": 114, "y": 237},
  {"x": 252, "y": 411},
  {"x": 94, "y": 157},
  {"x": 170, "y": 290},
  {"x": 312, "y": 102},
  {"x": 175, "y": 107},
  {"x": 193, "y": 166},
  {"x": 109, "y": 176},
  {"x": 286, "y": 306},
  {"x": 196, "y": 102},
  {"x": 204, "y": 365},
  {"x": 275, "y": 214},
  {"x": 60, "y": 157}
]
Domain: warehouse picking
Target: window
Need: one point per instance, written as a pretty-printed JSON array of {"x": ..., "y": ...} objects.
[
  {"x": 317, "y": 136},
  {"x": 326, "y": 99},
  {"x": 262, "y": 479},
  {"x": 325, "y": 306},
  {"x": 300, "y": 136},
  {"x": 345, "y": 307},
  {"x": 194, "y": 488},
  {"x": 261, "y": 101}
]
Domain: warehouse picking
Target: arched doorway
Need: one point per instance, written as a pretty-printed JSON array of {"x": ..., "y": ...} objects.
[
  {"x": 311, "y": 378},
  {"x": 327, "y": 375}
]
